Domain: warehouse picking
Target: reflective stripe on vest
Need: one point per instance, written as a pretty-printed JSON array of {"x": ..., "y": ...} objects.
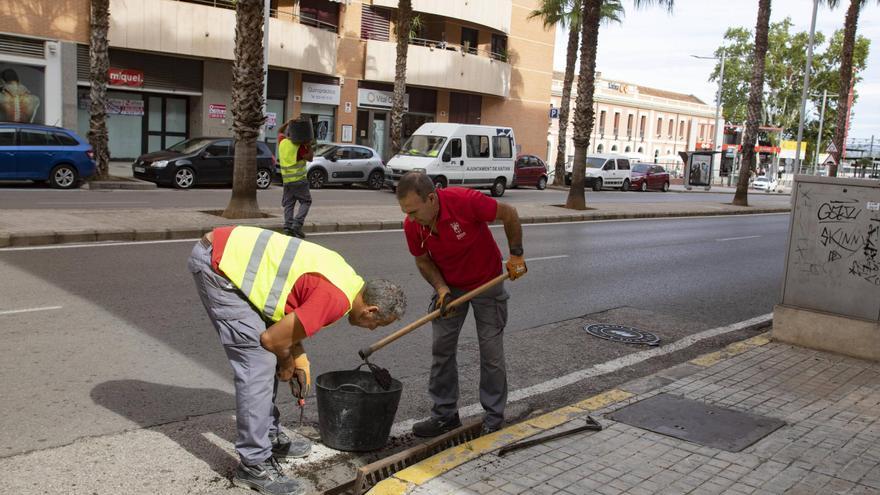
[
  {"x": 265, "y": 265},
  {"x": 291, "y": 169}
]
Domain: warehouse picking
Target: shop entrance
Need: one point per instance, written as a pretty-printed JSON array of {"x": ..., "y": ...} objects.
[
  {"x": 167, "y": 121},
  {"x": 374, "y": 131}
]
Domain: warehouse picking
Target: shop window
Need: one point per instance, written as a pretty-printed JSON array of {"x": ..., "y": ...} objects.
[
  {"x": 477, "y": 146},
  {"x": 469, "y": 40},
  {"x": 499, "y": 47},
  {"x": 501, "y": 147}
]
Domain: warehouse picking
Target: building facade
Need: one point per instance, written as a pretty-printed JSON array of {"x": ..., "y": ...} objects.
[
  {"x": 332, "y": 60},
  {"x": 646, "y": 124}
]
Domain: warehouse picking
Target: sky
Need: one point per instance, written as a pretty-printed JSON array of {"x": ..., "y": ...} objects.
[{"x": 653, "y": 48}]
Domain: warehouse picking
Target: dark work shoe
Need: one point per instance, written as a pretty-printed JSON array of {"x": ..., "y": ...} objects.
[
  {"x": 283, "y": 447},
  {"x": 435, "y": 426},
  {"x": 298, "y": 232},
  {"x": 486, "y": 429},
  {"x": 266, "y": 478}
]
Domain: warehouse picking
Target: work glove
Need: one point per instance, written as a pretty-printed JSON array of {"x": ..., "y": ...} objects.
[
  {"x": 441, "y": 301},
  {"x": 301, "y": 382},
  {"x": 516, "y": 267}
]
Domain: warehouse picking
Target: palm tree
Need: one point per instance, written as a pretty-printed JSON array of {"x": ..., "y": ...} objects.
[
  {"x": 846, "y": 77},
  {"x": 247, "y": 107},
  {"x": 99, "y": 65},
  {"x": 756, "y": 95},
  {"x": 568, "y": 13},
  {"x": 404, "y": 26},
  {"x": 591, "y": 16}
]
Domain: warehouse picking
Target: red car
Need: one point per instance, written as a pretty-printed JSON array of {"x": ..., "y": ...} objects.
[
  {"x": 649, "y": 176},
  {"x": 530, "y": 170}
]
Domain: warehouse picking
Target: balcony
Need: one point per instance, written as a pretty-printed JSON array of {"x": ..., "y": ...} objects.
[
  {"x": 446, "y": 68},
  {"x": 494, "y": 14},
  {"x": 208, "y": 31}
]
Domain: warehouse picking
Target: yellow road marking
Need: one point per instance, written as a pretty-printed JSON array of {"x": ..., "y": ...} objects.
[
  {"x": 734, "y": 349},
  {"x": 599, "y": 401},
  {"x": 390, "y": 486}
]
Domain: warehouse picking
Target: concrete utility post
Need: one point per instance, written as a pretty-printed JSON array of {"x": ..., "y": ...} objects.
[
  {"x": 807, "y": 69},
  {"x": 719, "y": 130}
]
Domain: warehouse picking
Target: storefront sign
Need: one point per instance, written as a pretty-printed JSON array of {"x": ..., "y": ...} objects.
[
  {"x": 116, "y": 106},
  {"x": 271, "y": 119},
  {"x": 326, "y": 94},
  {"x": 379, "y": 99},
  {"x": 126, "y": 77},
  {"x": 216, "y": 111}
]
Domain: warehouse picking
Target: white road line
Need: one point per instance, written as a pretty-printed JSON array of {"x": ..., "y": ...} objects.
[
  {"x": 547, "y": 258},
  {"x": 94, "y": 203},
  {"x": 28, "y": 310},
  {"x": 738, "y": 238},
  {"x": 404, "y": 427}
]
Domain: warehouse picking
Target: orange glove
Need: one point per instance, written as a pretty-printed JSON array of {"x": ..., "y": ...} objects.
[
  {"x": 441, "y": 301},
  {"x": 301, "y": 382},
  {"x": 516, "y": 267}
]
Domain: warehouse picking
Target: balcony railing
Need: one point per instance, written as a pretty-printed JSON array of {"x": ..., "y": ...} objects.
[
  {"x": 443, "y": 45},
  {"x": 273, "y": 12}
]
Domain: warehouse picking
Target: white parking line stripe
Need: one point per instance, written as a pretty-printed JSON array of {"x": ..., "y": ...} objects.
[
  {"x": 28, "y": 310},
  {"x": 737, "y": 238}
]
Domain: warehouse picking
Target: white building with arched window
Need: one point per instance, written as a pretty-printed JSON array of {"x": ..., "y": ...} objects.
[{"x": 646, "y": 124}]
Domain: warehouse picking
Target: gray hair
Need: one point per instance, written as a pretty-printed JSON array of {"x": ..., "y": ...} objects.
[
  {"x": 387, "y": 296},
  {"x": 417, "y": 182}
]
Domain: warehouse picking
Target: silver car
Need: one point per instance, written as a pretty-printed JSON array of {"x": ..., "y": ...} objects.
[{"x": 346, "y": 164}]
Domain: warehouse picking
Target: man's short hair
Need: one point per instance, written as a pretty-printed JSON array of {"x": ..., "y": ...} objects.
[
  {"x": 387, "y": 296},
  {"x": 417, "y": 182}
]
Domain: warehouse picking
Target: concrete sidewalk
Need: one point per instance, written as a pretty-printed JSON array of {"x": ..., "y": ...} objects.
[
  {"x": 21, "y": 227},
  {"x": 830, "y": 442}
]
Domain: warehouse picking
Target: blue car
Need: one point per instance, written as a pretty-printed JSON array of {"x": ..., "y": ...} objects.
[{"x": 44, "y": 153}]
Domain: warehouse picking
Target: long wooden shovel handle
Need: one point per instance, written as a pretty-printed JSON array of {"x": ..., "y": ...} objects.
[{"x": 367, "y": 351}]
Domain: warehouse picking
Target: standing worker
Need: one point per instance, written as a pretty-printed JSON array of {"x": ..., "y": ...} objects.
[
  {"x": 294, "y": 158},
  {"x": 249, "y": 278},
  {"x": 447, "y": 231}
]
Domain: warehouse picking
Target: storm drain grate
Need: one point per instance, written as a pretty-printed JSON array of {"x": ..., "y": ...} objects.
[
  {"x": 697, "y": 422},
  {"x": 622, "y": 334}
]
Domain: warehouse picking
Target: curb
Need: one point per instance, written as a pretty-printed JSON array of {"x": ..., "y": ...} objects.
[
  {"x": 408, "y": 480},
  {"x": 48, "y": 237},
  {"x": 122, "y": 183}
]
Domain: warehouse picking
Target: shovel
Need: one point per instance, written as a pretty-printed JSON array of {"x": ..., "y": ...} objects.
[{"x": 381, "y": 374}]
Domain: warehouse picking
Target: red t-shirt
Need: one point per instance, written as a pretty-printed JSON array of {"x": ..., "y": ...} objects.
[
  {"x": 463, "y": 247},
  {"x": 315, "y": 300}
]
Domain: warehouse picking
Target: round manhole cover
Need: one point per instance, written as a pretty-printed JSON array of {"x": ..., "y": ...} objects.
[{"x": 620, "y": 333}]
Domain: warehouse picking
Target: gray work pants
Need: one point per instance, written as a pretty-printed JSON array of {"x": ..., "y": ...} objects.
[
  {"x": 293, "y": 192},
  {"x": 490, "y": 313},
  {"x": 239, "y": 327}
]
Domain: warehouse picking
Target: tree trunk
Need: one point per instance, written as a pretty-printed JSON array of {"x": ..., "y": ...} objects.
[
  {"x": 574, "y": 35},
  {"x": 846, "y": 80},
  {"x": 247, "y": 107},
  {"x": 404, "y": 23},
  {"x": 756, "y": 95},
  {"x": 99, "y": 67},
  {"x": 583, "y": 112}
]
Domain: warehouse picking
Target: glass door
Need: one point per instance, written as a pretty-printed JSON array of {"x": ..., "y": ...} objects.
[
  {"x": 167, "y": 122},
  {"x": 379, "y": 134}
]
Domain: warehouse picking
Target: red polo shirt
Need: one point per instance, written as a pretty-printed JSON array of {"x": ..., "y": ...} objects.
[
  {"x": 315, "y": 300},
  {"x": 463, "y": 247}
]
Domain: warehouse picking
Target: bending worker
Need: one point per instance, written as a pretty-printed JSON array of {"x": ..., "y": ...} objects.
[
  {"x": 294, "y": 158},
  {"x": 447, "y": 231},
  {"x": 249, "y": 278}
]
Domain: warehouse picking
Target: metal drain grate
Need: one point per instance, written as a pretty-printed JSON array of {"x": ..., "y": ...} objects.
[
  {"x": 371, "y": 474},
  {"x": 622, "y": 334}
]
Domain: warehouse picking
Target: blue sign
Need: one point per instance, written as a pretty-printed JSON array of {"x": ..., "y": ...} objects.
[{"x": 554, "y": 113}]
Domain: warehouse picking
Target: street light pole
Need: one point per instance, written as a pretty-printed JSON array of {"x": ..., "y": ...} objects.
[
  {"x": 821, "y": 123},
  {"x": 719, "y": 129},
  {"x": 808, "y": 68}
]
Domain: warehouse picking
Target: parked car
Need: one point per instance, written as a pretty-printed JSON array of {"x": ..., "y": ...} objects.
[
  {"x": 44, "y": 153},
  {"x": 766, "y": 184},
  {"x": 345, "y": 164},
  {"x": 604, "y": 170},
  {"x": 478, "y": 156},
  {"x": 529, "y": 170},
  {"x": 646, "y": 176},
  {"x": 200, "y": 161}
]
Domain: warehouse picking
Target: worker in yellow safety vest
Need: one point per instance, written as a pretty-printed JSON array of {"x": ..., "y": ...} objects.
[
  {"x": 265, "y": 293},
  {"x": 294, "y": 158}
]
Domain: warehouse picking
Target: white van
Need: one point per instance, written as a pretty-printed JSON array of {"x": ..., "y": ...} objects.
[
  {"x": 478, "y": 156},
  {"x": 604, "y": 170}
]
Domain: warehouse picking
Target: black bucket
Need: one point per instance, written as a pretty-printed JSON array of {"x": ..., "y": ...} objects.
[
  {"x": 301, "y": 131},
  {"x": 354, "y": 412}
]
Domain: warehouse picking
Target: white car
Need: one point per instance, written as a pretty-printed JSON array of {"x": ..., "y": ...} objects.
[
  {"x": 765, "y": 184},
  {"x": 604, "y": 170}
]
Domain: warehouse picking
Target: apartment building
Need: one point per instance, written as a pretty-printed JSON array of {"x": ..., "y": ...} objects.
[
  {"x": 332, "y": 60},
  {"x": 644, "y": 123}
]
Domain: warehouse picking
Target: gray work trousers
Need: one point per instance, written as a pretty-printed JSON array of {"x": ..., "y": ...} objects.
[
  {"x": 293, "y": 192},
  {"x": 239, "y": 327},
  {"x": 490, "y": 313}
]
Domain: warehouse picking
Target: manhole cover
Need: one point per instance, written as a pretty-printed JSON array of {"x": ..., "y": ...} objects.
[
  {"x": 620, "y": 333},
  {"x": 697, "y": 422}
]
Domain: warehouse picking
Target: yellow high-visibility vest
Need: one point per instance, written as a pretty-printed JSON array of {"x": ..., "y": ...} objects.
[
  {"x": 291, "y": 169},
  {"x": 265, "y": 265}
]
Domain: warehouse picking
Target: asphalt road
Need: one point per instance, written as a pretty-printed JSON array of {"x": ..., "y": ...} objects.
[
  {"x": 29, "y": 196},
  {"x": 103, "y": 339}
]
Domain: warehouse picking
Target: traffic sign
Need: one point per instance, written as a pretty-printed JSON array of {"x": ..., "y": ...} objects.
[
  {"x": 829, "y": 160},
  {"x": 831, "y": 148}
]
